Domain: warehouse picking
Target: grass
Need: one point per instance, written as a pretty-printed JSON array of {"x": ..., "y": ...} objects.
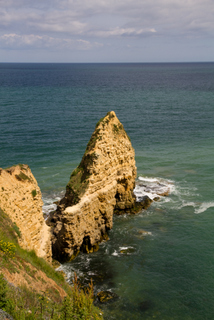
[
  {"x": 24, "y": 303},
  {"x": 22, "y": 177},
  {"x": 16, "y": 229},
  {"x": 78, "y": 182}
]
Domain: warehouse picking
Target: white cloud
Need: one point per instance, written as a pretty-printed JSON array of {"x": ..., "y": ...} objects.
[
  {"x": 13, "y": 40},
  {"x": 87, "y": 24},
  {"x": 124, "y": 32},
  {"x": 81, "y": 17}
]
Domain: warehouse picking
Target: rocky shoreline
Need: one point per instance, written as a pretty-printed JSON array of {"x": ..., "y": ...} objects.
[{"x": 102, "y": 185}]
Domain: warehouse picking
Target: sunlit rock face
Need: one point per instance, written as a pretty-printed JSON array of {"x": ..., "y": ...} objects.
[
  {"x": 102, "y": 184},
  {"x": 21, "y": 199}
]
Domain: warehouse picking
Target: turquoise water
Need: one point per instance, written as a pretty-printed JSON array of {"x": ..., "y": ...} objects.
[{"x": 48, "y": 113}]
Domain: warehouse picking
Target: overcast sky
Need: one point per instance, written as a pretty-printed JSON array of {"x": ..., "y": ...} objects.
[{"x": 106, "y": 30}]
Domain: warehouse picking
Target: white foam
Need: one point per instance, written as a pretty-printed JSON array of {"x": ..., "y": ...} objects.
[
  {"x": 153, "y": 187},
  {"x": 69, "y": 272},
  {"x": 56, "y": 174},
  {"x": 187, "y": 204},
  {"x": 48, "y": 202},
  {"x": 145, "y": 233},
  {"x": 125, "y": 248},
  {"x": 198, "y": 207},
  {"x": 148, "y": 179},
  {"x": 180, "y": 195},
  {"x": 48, "y": 208},
  {"x": 204, "y": 206}
]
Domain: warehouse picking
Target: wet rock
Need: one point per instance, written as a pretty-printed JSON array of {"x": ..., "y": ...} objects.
[
  {"x": 144, "y": 232},
  {"x": 106, "y": 296},
  {"x": 145, "y": 202},
  {"x": 142, "y": 204},
  {"x": 127, "y": 251}
]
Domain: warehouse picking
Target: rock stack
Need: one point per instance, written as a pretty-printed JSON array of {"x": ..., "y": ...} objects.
[{"x": 102, "y": 184}]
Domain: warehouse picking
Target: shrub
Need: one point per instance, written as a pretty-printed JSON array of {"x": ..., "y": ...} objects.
[
  {"x": 34, "y": 193},
  {"x": 8, "y": 248},
  {"x": 16, "y": 229},
  {"x": 22, "y": 177},
  {"x": 3, "y": 292}
]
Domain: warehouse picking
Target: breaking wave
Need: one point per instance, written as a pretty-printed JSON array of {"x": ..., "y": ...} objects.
[
  {"x": 153, "y": 187},
  {"x": 204, "y": 206}
]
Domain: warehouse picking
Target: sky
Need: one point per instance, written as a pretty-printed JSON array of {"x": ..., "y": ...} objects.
[{"x": 106, "y": 30}]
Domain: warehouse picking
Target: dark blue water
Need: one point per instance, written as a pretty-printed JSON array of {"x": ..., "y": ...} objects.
[{"x": 47, "y": 115}]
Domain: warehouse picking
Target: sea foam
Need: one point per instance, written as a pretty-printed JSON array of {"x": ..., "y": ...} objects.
[
  {"x": 152, "y": 187},
  {"x": 204, "y": 206}
]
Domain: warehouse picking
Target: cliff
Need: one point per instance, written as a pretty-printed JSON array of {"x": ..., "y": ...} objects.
[
  {"x": 21, "y": 198},
  {"x": 102, "y": 184}
]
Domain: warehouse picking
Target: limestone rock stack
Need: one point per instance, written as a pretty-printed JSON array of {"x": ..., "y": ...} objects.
[
  {"x": 101, "y": 184},
  {"x": 20, "y": 198}
]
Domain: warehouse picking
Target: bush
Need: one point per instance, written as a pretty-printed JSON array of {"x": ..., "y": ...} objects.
[
  {"x": 81, "y": 306},
  {"x": 34, "y": 193},
  {"x": 3, "y": 292},
  {"x": 8, "y": 248}
]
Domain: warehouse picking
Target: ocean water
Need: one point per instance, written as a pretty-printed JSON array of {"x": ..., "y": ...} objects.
[{"x": 159, "y": 264}]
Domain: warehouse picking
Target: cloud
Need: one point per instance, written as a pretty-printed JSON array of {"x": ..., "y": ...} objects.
[
  {"x": 127, "y": 32},
  {"x": 81, "y": 17},
  {"x": 15, "y": 41},
  {"x": 85, "y": 24}
]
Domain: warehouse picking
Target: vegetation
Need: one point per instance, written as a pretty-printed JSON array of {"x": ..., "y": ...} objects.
[
  {"x": 77, "y": 184},
  {"x": 79, "y": 178},
  {"x": 34, "y": 193},
  {"x": 3, "y": 292},
  {"x": 22, "y": 177},
  {"x": 8, "y": 248},
  {"x": 96, "y": 136},
  {"x": 24, "y": 302},
  {"x": 16, "y": 229}
]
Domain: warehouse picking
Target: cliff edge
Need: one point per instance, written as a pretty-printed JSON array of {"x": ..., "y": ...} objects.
[
  {"x": 101, "y": 184},
  {"x": 21, "y": 199}
]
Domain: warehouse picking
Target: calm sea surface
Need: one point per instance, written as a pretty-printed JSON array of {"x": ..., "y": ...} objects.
[{"x": 47, "y": 115}]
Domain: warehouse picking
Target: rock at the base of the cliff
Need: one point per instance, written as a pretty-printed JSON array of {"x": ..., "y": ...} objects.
[
  {"x": 143, "y": 204},
  {"x": 106, "y": 296}
]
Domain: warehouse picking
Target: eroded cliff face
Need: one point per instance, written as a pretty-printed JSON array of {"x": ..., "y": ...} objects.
[
  {"x": 20, "y": 198},
  {"x": 101, "y": 184}
]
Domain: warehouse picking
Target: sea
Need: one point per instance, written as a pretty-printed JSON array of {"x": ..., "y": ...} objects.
[{"x": 158, "y": 264}]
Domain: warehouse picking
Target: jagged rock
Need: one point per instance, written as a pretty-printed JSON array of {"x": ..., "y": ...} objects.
[
  {"x": 127, "y": 250},
  {"x": 106, "y": 296},
  {"x": 142, "y": 204},
  {"x": 21, "y": 199},
  {"x": 101, "y": 184}
]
